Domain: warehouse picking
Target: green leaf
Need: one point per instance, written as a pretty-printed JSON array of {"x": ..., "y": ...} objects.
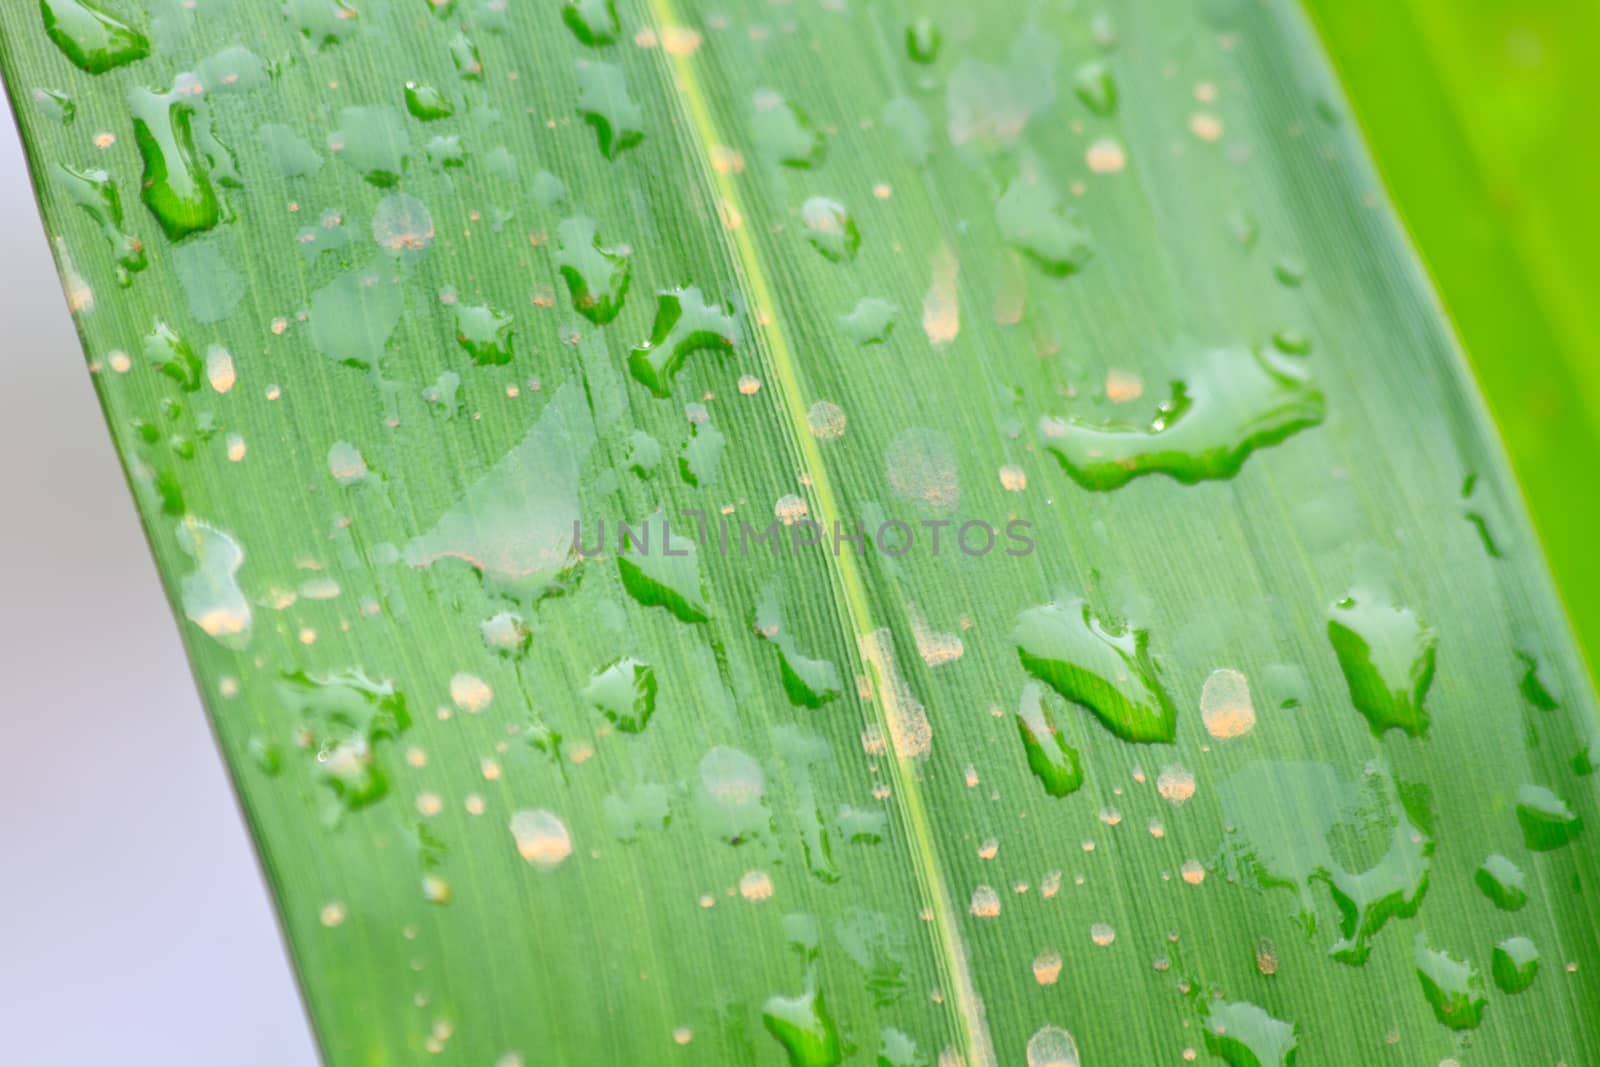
[{"x": 1063, "y": 633}]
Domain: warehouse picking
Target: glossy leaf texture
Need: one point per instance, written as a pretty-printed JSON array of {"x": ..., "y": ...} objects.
[{"x": 1218, "y": 724}]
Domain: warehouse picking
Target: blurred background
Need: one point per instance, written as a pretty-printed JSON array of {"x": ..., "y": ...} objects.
[
  {"x": 134, "y": 925},
  {"x": 130, "y": 892}
]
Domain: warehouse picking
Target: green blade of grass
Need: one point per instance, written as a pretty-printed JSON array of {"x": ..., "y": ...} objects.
[{"x": 1209, "y": 749}]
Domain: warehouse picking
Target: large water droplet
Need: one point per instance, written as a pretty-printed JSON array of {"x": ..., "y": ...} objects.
[
  {"x": 95, "y": 192},
  {"x": 625, "y": 693},
  {"x": 1104, "y": 667},
  {"x": 172, "y": 356},
  {"x": 353, "y": 315},
  {"x": 427, "y": 103},
  {"x": 804, "y": 1028},
  {"x": 1387, "y": 656},
  {"x": 1547, "y": 822},
  {"x": 1032, "y": 220},
  {"x": 485, "y": 334},
  {"x": 1054, "y": 762},
  {"x": 1514, "y": 964},
  {"x": 542, "y": 838},
  {"x": 1296, "y": 824},
  {"x": 1502, "y": 882},
  {"x": 830, "y": 229},
  {"x": 374, "y": 141},
  {"x": 596, "y": 276},
  {"x": 594, "y": 22},
  {"x": 1246, "y": 1036},
  {"x": 94, "y": 40},
  {"x": 684, "y": 323},
  {"x": 211, "y": 596},
  {"x": 604, "y": 103},
  {"x": 1233, "y": 402},
  {"x": 1051, "y": 1046},
  {"x": 660, "y": 570},
  {"x": 1453, "y": 988},
  {"x": 177, "y": 185},
  {"x": 785, "y": 133},
  {"x": 869, "y": 322}
]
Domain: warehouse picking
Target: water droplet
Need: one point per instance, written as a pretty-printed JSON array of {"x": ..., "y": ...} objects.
[
  {"x": 870, "y": 321},
  {"x": 1225, "y": 706},
  {"x": 1105, "y": 668},
  {"x": 1514, "y": 964},
  {"x": 288, "y": 152},
  {"x": 1054, "y": 762},
  {"x": 374, "y": 141},
  {"x": 353, "y": 315},
  {"x": 1102, "y": 934},
  {"x": 542, "y": 838},
  {"x": 804, "y": 1028},
  {"x": 211, "y": 596},
  {"x": 785, "y": 133},
  {"x": 1387, "y": 656},
  {"x": 625, "y": 692},
  {"x": 1047, "y": 967},
  {"x": 56, "y": 104},
  {"x": 321, "y": 22},
  {"x": 1547, "y": 822},
  {"x": 94, "y": 191},
  {"x": 1246, "y": 1036},
  {"x": 733, "y": 798},
  {"x": 1094, "y": 86},
  {"x": 923, "y": 40},
  {"x": 1051, "y": 1046},
  {"x": 1234, "y": 402},
  {"x": 177, "y": 185},
  {"x": 172, "y": 356},
  {"x": 684, "y": 323},
  {"x": 402, "y": 225},
  {"x": 596, "y": 276},
  {"x": 808, "y": 682},
  {"x": 1502, "y": 882},
  {"x": 1453, "y": 988},
  {"x": 1032, "y": 220},
  {"x": 657, "y": 574},
  {"x": 989, "y": 105},
  {"x": 515, "y": 524},
  {"x": 985, "y": 903},
  {"x": 920, "y": 466},
  {"x": 427, "y": 103},
  {"x": 899, "y": 1050},
  {"x": 346, "y": 463},
  {"x": 830, "y": 229},
  {"x": 826, "y": 420},
  {"x": 604, "y": 103},
  {"x": 92, "y": 39},
  {"x": 348, "y": 714},
  {"x": 484, "y": 333},
  {"x": 594, "y": 22},
  {"x": 1355, "y": 838}
]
